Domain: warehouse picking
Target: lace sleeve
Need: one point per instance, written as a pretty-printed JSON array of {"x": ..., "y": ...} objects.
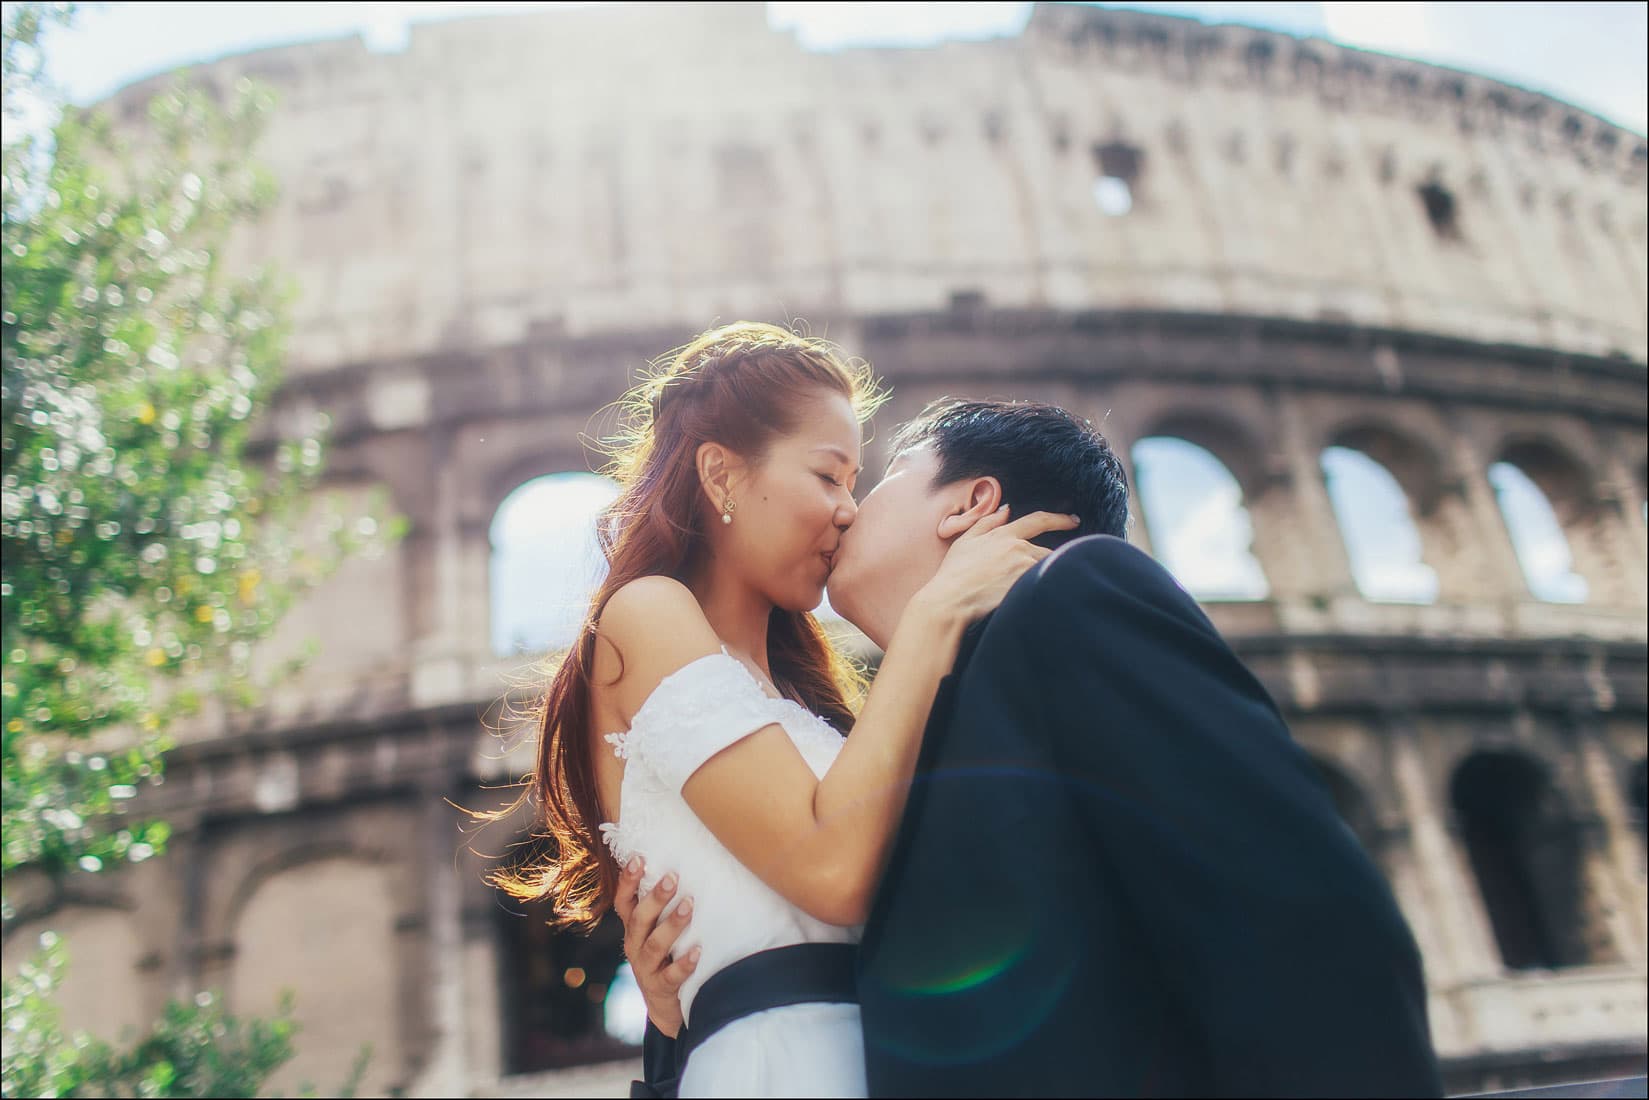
[{"x": 693, "y": 714}]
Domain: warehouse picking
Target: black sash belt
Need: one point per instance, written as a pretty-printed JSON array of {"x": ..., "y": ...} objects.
[{"x": 803, "y": 973}]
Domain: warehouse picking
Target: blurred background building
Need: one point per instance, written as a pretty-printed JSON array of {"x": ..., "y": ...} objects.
[{"x": 1371, "y": 333}]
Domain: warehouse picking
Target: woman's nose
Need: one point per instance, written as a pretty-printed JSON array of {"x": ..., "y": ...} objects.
[{"x": 846, "y": 513}]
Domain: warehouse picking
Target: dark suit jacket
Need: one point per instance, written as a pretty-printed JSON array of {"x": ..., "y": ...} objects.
[{"x": 1118, "y": 875}]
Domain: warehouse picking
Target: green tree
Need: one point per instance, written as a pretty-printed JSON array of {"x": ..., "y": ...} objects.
[
  {"x": 143, "y": 550},
  {"x": 194, "y": 1049}
]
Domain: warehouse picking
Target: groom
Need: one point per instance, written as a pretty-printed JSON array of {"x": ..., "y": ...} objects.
[{"x": 1117, "y": 873}]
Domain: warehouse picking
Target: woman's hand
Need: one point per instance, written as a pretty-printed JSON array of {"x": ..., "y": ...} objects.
[
  {"x": 985, "y": 561},
  {"x": 648, "y": 940}
]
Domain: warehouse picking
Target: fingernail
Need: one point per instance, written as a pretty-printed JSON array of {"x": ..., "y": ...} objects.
[
  {"x": 685, "y": 909},
  {"x": 693, "y": 955},
  {"x": 668, "y": 883},
  {"x": 1076, "y": 519},
  {"x": 633, "y": 866}
]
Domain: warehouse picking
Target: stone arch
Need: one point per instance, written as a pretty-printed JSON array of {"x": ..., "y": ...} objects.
[
  {"x": 477, "y": 467},
  {"x": 1567, "y": 481},
  {"x": 1569, "y": 478},
  {"x": 1590, "y": 519},
  {"x": 1415, "y": 463},
  {"x": 37, "y": 895},
  {"x": 1378, "y": 484},
  {"x": 1234, "y": 443},
  {"x": 494, "y": 483},
  {"x": 103, "y": 990},
  {"x": 1356, "y": 808},
  {"x": 1195, "y": 512},
  {"x": 357, "y": 834},
  {"x": 553, "y": 989},
  {"x": 554, "y": 983},
  {"x": 544, "y": 560},
  {"x": 1545, "y": 750},
  {"x": 1526, "y": 852},
  {"x": 1546, "y": 501},
  {"x": 317, "y": 924}
]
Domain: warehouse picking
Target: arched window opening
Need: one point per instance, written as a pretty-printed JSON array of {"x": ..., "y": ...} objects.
[
  {"x": 1378, "y": 527},
  {"x": 333, "y": 915},
  {"x": 1113, "y": 196},
  {"x": 1537, "y": 536},
  {"x": 1442, "y": 211},
  {"x": 1199, "y": 527},
  {"x": 1526, "y": 857},
  {"x": 1118, "y": 166},
  {"x": 568, "y": 998},
  {"x": 545, "y": 561},
  {"x": 102, "y": 988}
]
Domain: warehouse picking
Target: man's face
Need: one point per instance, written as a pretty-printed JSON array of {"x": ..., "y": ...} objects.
[{"x": 893, "y": 548}]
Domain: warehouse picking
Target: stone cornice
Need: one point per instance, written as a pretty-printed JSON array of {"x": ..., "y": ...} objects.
[
  {"x": 1086, "y": 347},
  {"x": 439, "y": 725},
  {"x": 1183, "y": 49},
  {"x": 1341, "y": 77}
]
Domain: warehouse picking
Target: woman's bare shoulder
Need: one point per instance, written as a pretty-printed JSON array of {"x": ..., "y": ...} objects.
[
  {"x": 651, "y": 627},
  {"x": 645, "y": 599}
]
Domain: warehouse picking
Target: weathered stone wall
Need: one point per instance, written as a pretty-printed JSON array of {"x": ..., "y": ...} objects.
[
  {"x": 665, "y": 164},
  {"x": 492, "y": 230}
]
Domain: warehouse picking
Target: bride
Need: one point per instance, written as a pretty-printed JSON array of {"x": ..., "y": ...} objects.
[{"x": 700, "y": 722}]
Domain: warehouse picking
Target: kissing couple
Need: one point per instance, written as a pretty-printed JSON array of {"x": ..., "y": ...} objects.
[{"x": 1064, "y": 845}]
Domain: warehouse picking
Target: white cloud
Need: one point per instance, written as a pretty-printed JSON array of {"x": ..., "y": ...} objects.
[
  {"x": 822, "y": 26},
  {"x": 1381, "y": 540},
  {"x": 1403, "y": 28},
  {"x": 546, "y": 561},
  {"x": 1541, "y": 545},
  {"x": 1594, "y": 55},
  {"x": 1199, "y": 528}
]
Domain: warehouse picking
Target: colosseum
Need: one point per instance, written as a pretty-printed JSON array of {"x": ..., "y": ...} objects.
[{"x": 1279, "y": 261}]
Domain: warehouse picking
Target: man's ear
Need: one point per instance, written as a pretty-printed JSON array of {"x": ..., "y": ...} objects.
[
  {"x": 974, "y": 499},
  {"x": 719, "y": 470}
]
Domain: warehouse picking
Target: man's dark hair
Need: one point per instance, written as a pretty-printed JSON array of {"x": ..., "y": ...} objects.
[{"x": 1046, "y": 459}]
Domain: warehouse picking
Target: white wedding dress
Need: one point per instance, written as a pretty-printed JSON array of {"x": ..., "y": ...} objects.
[{"x": 694, "y": 713}]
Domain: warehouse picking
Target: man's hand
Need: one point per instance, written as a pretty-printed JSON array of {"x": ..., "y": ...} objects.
[{"x": 648, "y": 941}]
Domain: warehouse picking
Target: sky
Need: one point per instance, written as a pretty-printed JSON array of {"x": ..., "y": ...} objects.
[{"x": 1590, "y": 54}]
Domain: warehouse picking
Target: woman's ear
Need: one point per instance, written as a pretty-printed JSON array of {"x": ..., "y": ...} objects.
[
  {"x": 975, "y": 499},
  {"x": 718, "y": 470}
]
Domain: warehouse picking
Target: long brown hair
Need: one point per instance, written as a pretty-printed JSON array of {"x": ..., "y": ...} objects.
[{"x": 738, "y": 385}]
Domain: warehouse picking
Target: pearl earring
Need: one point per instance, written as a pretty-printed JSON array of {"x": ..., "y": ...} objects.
[{"x": 727, "y": 511}]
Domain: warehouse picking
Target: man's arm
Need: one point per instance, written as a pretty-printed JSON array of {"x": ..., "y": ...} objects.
[{"x": 1275, "y": 931}]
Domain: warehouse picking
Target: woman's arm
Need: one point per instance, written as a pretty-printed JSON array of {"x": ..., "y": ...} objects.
[{"x": 821, "y": 843}]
